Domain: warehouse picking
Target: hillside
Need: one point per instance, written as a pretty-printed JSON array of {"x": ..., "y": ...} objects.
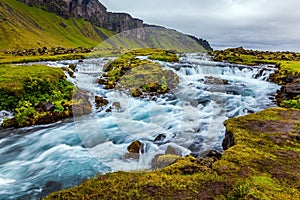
[{"x": 32, "y": 25}]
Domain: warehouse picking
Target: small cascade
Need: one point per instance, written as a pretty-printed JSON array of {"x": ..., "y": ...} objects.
[{"x": 190, "y": 120}]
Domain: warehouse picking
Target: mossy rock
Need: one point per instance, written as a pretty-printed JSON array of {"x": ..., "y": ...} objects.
[{"x": 140, "y": 77}]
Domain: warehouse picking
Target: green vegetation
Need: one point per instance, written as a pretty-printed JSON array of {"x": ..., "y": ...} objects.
[
  {"x": 292, "y": 103},
  {"x": 24, "y": 87},
  {"x": 263, "y": 164},
  {"x": 136, "y": 75},
  {"x": 26, "y": 27}
]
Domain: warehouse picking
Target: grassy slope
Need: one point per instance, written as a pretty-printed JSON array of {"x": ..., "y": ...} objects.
[{"x": 23, "y": 27}]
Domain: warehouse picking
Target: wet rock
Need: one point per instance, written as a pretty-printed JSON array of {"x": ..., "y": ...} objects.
[
  {"x": 51, "y": 186},
  {"x": 116, "y": 105},
  {"x": 84, "y": 107},
  {"x": 288, "y": 91},
  {"x": 210, "y": 80},
  {"x": 134, "y": 150},
  {"x": 72, "y": 66},
  {"x": 136, "y": 92},
  {"x": 135, "y": 147},
  {"x": 228, "y": 141},
  {"x": 102, "y": 81},
  {"x": 159, "y": 138},
  {"x": 100, "y": 101},
  {"x": 163, "y": 160},
  {"x": 211, "y": 154},
  {"x": 172, "y": 151},
  {"x": 109, "y": 85}
]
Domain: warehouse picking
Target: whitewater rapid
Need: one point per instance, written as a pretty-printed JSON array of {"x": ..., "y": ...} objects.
[{"x": 191, "y": 119}]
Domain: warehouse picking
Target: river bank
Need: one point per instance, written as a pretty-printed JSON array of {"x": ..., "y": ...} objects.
[
  {"x": 260, "y": 160},
  {"x": 210, "y": 177}
]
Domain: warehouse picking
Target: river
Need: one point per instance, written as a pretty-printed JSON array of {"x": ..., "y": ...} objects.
[{"x": 36, "y": 160}]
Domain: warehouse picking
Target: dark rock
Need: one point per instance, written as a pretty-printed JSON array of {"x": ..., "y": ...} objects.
[
  {"x": 172, "y": 151},
  {"x": 102, "y": 81},
  {"x": 39, "y": 107},
  {"x": 51, "y": 186},
  {"x": 49, "y": 106},
  {"x": 288, "y": 91},
  {"x": 72, "y": 66},
  {"x": 136, "y": 147},
  {"x": 159, "y": 138},
  {"x": 211, "y": 154},
  {"x": 163, "y": 160},
  {"x": 210, "y": 80},
  {"x": 136, "y": 92},
  {"x": 100, "y": 101},
  {"x": 116, "y": 105},
  {"x": 134, "y": 150},
  {"x": 228, "y": 141}
]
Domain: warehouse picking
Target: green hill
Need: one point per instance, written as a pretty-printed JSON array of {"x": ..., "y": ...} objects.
[{"x": 24, "y": 27}]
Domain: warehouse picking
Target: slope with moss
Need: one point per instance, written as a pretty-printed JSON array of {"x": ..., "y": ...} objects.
[
  {"x": 261, "y": 161},
  {"x": 136, "y": 72},
  {"x": 24, "y": 27},
  {"x": 37, "y": 94}
]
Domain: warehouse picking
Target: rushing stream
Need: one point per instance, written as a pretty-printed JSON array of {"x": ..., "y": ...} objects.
[{"x": 39, "y": 159}]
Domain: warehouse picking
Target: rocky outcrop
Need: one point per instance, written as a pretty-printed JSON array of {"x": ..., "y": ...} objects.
[
  {"x": 90, "y": 10},
  {"x": 288, "y": 91},
  {"x": 201, "y": 42}
]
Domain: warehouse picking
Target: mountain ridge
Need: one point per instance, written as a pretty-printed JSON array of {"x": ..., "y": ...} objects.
[{"x": 29, "y": 24}]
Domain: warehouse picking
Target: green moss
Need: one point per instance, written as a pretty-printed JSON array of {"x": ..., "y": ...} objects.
[
  {"x": 23, "y": 87},
  {"x": 136, "y": 75}
]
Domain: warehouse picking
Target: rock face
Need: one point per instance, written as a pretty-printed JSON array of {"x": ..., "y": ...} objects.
[
  {"x": 289, "y": 91},
  {"x": 91, "y": 10}
]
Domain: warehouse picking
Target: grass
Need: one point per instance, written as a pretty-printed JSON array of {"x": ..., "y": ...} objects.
[
  {"x": 24, "y": 87},
  {"x": 138, "y": 76},
  {"x": 12, "y": 77},
  {"x": 25, "y": 27}
]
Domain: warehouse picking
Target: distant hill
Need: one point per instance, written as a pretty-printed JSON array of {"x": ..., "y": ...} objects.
[{"x": 28, "y": 24}]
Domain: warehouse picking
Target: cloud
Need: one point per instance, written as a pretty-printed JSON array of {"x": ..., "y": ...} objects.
[{"x": 260, "y": 24}]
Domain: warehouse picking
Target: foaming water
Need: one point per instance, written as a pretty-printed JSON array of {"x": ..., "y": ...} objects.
[{"x": 36, "y": 160}]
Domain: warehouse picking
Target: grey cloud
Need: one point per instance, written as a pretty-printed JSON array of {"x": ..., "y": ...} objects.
[{"x": 260, "y": 24}]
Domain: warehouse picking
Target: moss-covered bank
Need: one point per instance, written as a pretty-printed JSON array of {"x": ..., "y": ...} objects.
[
  {"x": 263, "y": 163},
  {"x": 38, "y": 94}
]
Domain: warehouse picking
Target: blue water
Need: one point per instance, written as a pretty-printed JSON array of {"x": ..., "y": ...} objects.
[{"x": 191, "y": 119}]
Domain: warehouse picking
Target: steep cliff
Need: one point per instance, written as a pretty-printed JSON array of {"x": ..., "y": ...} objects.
[{"x": 90, "y": 10}]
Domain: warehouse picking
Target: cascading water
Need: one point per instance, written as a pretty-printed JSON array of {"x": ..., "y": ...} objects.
[{"x": 37, "y": 160}]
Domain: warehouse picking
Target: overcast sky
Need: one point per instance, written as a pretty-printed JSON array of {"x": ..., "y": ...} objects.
[{"x": 257, "y": 24}]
